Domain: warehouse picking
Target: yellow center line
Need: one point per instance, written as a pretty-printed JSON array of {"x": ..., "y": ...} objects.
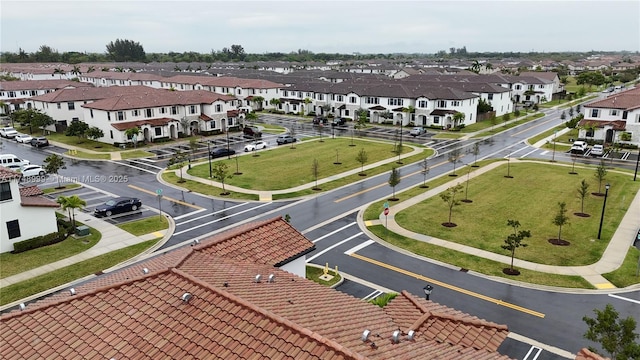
[
  {"x": 165, "y": 197},
  {"x": 531, "y": 127},
  {"x": 450, "y": 287},
  {"x": 383, "y": 184}
]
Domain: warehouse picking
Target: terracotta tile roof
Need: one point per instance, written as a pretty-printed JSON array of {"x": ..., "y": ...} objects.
[
  {"x": 52, "y": 84},
  {"x": 37, "y": 201},
  {"x": 8, "y": 174},
  {"x": 442, "y": 112},
  {"x": 228, "y": 81},
  {"x": 618, "y": 125},
  {"x": 147, "y": 97},
  {"x": 87, "y": 93},
  {"x": 33, "y": 190},
  {"x": 626, "y": 100},
  {"x": 585, "y": 354},
  {"x": 130, "y": 314},
  {"x": 131, "y": 124}
]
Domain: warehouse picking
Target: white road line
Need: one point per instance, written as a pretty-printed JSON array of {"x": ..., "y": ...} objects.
[
  {"x": 131, "y": 166},
  {"x": 529, "y": 153},
  {"x": 213, "y": 213},
  {"x": 544, "y": 152},
  {"x": 624, "y": 298},
  {"x": 145, "y": 164},
  {"x": 526, "y": 357},
  {"x": 188, "y": 214},
  {"x": 361, "y": 246},
  {"x": 334, "y": 246},
  {"x": 95, "y": 197},
  {"x": 333, "y": 232},
  {"x": 216, "y": 220},
  {"x": 373, "y": 295},
  {"x": 513, "y": 152}
]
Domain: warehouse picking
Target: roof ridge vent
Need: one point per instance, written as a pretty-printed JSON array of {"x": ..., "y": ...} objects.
[{"x": 186, "y": 297}]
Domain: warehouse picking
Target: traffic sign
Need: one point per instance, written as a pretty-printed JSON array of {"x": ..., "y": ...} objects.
[
  {"x": 386, "y": 211},
  {"x": 159, "y": 192},
  {"x": 386, "y": 205}
]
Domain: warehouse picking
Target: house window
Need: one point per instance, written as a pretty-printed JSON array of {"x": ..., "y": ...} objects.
[
  {"x": 149, "y": 113},
  {"x": 590, "y": 132},
  {"x": 423, "y": 104},
  {"x": 135, "y": 112},
  {"x": 624, "y": 115},
  {"x": 158, "y": 131},
  {"x": 286, "y": 94},
  {"x": 346, "y": 113},
  {"x": 12, "y": 94},
  {"x": 192, "y": 109},
  {"x": 13, "y": 229},
  {"x": 163, "y": 110},
  {"x": 71, "y": 105},
  {"x": 320, "y": 96},
  {"x": 111, "y": 133},
  {"x": 613, "y": 112},
  {"x": 218, "y": 108},
  {"x": 212, "y": 124},
  {"x": 436, "y": 119},
  {"x": 174, "y": 110},
  {"x": 442, "y": 103},
  {"x": 594, "y": 113},
  {"x": 91, "y": 113},
  {"x": 395, "y": 102},
  {"x": 490, "y": 96},
  {"x": 352, "y": 99},
  {"x": 230, "y": 121},
  {"x": 5, "y": 191},
  {"x": 455, "y": 103},
  {"x": 518, "y": 87},
  {"x": 59, "y": 105},
  {"x": 121, "y": 115},
  {"x": 109, "y": 116},
  {"x": 371, "y": 100}
]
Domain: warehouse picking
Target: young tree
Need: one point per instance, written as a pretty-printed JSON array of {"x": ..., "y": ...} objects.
[
  {"x": 77, "y": 128},
  {"x": 454, "y": 157},
  {"x": 574, "y": 158},
  {"x": 560, "y": 220},
  {"x": 94, "y": 133},
  {"x": 600, "y": 175},
  {"x": 259, "y": 101},
  {"x": 362, "y": 158},
  {"x": 70, "y": 204},
  {"x": 458, "y": 118},
  {"x": 394, "y": 179},
  {"x": 275, "y": 103},
  {"x": 193, "y": 146},
  {"x": 315, "y": 171},
  {"x": 514, "y": 241},
  {"x": 132, "y": 133},
  {"x": 178, "y": 159},
  {"x": 583, "y": 191},
  {"x": 449, "y": 197},
  {"x": 617, "y": 336},
  {"x": 221, "y": 173},
  {"x": 563, "y": 116},
  {"x": 475, "y": 150},
  {"x": 506, "y": 118},
  {"x": 53, "y": 163},
  {"x": 425, "y": 171}
]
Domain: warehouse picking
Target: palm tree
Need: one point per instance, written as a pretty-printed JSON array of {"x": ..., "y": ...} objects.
[
  {"x": 475, "y": 67},
  {"x": 131, "y": 132},
  {"x": 76, "y": 71},
  {"x": 307, "y": 101},
  {"x": 258, "y": 100},
  {"x": 58, "y": 71},
  {"x": 275, "y": 103},
  {"x": 70, "y": 204},
  {"x": 457, "y": 118},
  {"x": 91, "y": 69}
]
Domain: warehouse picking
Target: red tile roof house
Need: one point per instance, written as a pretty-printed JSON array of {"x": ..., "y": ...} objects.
[
  {"x": 15, "y": 93},
  {"x": 227, "y": 298},
  {"x": 24, "y": 214},
  {"x": 606, "y": 119}
]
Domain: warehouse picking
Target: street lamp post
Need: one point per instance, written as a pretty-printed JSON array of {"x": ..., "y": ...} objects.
[
  {"x": 228, "y": 153},
  {"x": 553, "y": 157},
  {"x": 209, "y": 154},
  {"x": 604, "y": 203},
  {"x": 427, "y": 291},
  {"x": 635, "y": 174}
]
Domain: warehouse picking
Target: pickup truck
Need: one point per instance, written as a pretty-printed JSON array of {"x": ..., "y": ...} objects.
[{"x": 8, "y": 132}]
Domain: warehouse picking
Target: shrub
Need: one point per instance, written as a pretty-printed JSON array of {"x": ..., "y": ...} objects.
[
  {"x": 383, "y": 299},
  {"x": 39, "y": 241}
]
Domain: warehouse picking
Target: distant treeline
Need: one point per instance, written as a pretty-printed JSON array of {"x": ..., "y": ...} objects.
[{"x": 128, "y": 50}]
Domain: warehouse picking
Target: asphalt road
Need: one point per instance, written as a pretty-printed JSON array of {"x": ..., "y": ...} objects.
[{"x": 545, "y": 317}]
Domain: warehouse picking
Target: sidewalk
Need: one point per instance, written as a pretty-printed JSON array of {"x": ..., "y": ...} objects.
[
  {"x": 113, "y": 238},
  {"x": 611, "y": 259}
]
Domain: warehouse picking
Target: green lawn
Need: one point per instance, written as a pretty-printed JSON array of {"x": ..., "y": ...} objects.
[
  {"x": 146, "y": 225},
  {"x": 51, "y": 190},
  {"x": 16, "y": 263},
  {"x": 70, "y": 273},
  {"x": 286, "y": 167},
  {"x": 91, "y": 156},
  {"x": 131, "y": 154},
  {"x": 530, "y": 199},
  {"x": 204, "y": 189}
]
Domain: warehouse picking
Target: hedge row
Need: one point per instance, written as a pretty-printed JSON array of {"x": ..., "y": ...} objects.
[{"x": 39, "y": 241}]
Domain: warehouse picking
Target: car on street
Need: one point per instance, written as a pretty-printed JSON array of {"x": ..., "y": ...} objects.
[
  {"x": 23, "y": 138},
  {"x": 608, "y": 90},
  {"x": 221, "y": 152},
  {"x": 285, "y": 139},
  {"x": 8, "y": 132},
  {"x": 32, "y": 170},
  {"x": 255, "y": 146},
  {"x": 320, "y": 120},
  {"x": 579, "y": 147},
  {"x": 597, "y": 150},
  {"x": 416, "y": 131},
  {"x": 252, "y": 132},
  {"x": 338, "y": 121},
  {"x": 117, "y": 206},
  {"x": 39, "y": 141}
]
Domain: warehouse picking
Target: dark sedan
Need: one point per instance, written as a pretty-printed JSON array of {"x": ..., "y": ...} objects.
[
  {"x": 222, "y": 152},
  {"x": 118, "y": 205}
]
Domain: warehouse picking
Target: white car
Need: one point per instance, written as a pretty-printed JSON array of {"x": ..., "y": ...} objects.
[
  {"x": 23, "y": 138},
  {"x": 597, "y": 150},
  {"x": 32, "y": 170},
  {"x": 579, "y": 147},
  {"x": 255, "y": 146},
  {"x": 8, "y": 132},
  {"x": 416, "y": 131}
]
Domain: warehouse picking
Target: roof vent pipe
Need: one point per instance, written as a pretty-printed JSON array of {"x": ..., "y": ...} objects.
[
  {"x": 272, "y": 278},
  {"x": 22, "y": 306},
  {"x": 186, "y": 297},
  {"x": 145, "y": 270},
  {"x": 410, "y": 335},
  {"x": 395, "y": 337},
  {"x": 258, "y": 278},
  {"x": 72, "y": 291},
  {"x": 365, "y": 335}
]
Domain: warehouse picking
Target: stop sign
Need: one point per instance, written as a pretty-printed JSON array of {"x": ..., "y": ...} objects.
[{"x": 386, "y": 211}]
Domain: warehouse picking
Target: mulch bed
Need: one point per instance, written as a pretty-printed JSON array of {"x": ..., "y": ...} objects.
[
  {"x": 509, "y": 271},
  {"x": 449, "y": 224},
  {"x": 466, "y": 201},
  {"x": 581, "y": 214},
  {"x": 559, "y": 242}
]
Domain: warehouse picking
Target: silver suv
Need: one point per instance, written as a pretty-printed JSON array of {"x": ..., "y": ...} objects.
[{"x": 285, "y": 138}]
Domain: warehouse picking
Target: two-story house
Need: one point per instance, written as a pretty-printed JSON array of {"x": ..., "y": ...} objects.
[
  {"x": 607, "y": 119},
  {"x": 15, "y": 94},
  {"x": 24, "y": 214}
]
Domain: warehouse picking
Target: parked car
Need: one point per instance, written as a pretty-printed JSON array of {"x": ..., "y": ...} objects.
[
  {"x": 23, "y": 138},
  {"x": 255, "y": 146},
  {"x": 338, "y": 121},
  {"x": 320, "y": 120},
  {"x": 579, "y": 147},
  {"x": 252, "y": 131},
  {"x": 285, "y": 139},
  {"x": 222, "y": 152},
  {"x": 597, "y": 150},
  {"x": 11, "y": 161},
  {"x": 39, "y": 141},
  {"x": 32, "y": 170},
  {"x": 416, "y": 131},
  {"x": 608, "y": 90},
  {"x": 118, "y": 205},
  {"x": 8, "y": 132}
]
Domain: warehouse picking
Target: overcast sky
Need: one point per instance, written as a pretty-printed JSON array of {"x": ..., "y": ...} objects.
[{"x": 322, "y": 26}]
